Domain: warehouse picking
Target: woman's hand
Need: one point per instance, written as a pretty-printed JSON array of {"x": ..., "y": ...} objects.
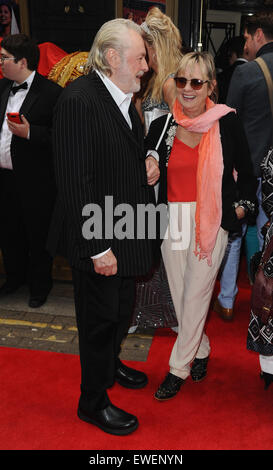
[{"x": 152, "y": 170}]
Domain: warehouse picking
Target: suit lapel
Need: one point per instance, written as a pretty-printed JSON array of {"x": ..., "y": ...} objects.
[
  {"x": 136, "y": 126},
  {"x": 32, "y": 95},
  {"x": 134, "y": 133},
  {"x": 28, "y": 102}
]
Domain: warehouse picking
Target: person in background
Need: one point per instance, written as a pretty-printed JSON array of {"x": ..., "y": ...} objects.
[
  {"x": 8, "y": 22},
  {"x": 260, "y": 329},
  {"x": 50, "y": 55},
  {"x": 201, "y": 146},
  {"x": 248, "y": 94},
  {"x": 164, "y": 50},
  {"x": 230, "y": 265},
  {"x": 154, "y": 307},
  {"x": 27, "y": 183},
  {"x": 236, "y": 56}
]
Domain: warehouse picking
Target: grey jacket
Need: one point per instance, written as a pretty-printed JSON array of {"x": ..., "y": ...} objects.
[{"x": 248, "y": 93}]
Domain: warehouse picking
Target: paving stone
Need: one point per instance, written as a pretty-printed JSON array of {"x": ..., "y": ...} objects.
[
  {"x": 53, "y": 327},
  {"x": 6, "y": 313},
  {"x": 4, "y": 331},
  {"x": 39, "y": 317},
  {"x": 25, "y": 332}
]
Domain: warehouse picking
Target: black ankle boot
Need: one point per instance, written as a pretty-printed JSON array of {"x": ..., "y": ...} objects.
[
  {"x": 199, "y": 369},
  {"x": 169, "y": 387},
  {"x": 268, "y": 379}
]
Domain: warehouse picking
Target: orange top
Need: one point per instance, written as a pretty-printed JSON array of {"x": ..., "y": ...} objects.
[{"x": 182, "y": 171}]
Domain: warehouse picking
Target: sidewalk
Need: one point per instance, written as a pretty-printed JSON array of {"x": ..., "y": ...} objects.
[{"x": 52, "y": 327}]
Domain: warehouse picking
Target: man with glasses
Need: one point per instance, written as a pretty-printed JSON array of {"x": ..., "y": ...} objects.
[{"x": 27, "y": 188}]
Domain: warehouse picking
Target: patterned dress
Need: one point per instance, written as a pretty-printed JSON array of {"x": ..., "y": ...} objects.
[
  {"x": 154, "y": 307},
  {"x": 260, "y": 335}
]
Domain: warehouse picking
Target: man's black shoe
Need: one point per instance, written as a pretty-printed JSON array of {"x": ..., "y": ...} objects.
[
  {"x": 130, "y": 378},
  {"x": 111, "y": 419},
  {"x": 7, "y": 289},
  {"x": 36, "y": 302}
]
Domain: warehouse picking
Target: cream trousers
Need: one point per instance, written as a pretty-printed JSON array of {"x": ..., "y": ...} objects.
[{"x": 191, "y": 284}]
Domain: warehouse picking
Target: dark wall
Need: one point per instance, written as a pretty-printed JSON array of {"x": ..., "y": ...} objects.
[
  {"x": 70, "y": 24},
  {"x": 241, "y": 5},
  {"x": 189, "y": 21},
  {"x": 185, "y": 21}
]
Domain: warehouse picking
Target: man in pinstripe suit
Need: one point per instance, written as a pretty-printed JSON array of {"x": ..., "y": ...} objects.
[{"x": 99, "y": 152}]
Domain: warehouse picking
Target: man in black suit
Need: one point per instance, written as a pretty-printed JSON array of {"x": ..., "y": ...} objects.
[
  {"x": 101, "y": 170},
  {"x": 27, "y": 188}
]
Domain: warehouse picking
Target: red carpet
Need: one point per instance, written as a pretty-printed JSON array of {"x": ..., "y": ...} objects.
[{"x": 228, "y": 410}]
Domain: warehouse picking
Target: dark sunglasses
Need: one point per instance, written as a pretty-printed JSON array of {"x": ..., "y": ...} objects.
[{"x": 196, "y": 83}]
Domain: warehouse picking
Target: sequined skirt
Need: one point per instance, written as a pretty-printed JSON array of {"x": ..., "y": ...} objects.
[{"x": 154, "y": 307}]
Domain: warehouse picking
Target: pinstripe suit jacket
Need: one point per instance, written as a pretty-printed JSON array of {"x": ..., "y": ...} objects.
[{"x": 96, "y": 154}]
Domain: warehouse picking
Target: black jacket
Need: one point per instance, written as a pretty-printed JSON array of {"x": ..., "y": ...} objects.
[
  {"x": 248, "y": 94},
  {"x": 96, "y": 154},
  {"x": 32, "y": 158},
  {"x": 224, "y": 78},
  {"x": 235, "y": 155}
]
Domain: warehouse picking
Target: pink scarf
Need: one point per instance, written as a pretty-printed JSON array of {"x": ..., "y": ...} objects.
[{"x": 210, "y": 168}]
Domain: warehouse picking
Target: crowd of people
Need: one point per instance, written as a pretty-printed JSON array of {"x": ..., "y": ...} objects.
[{"x": 74, "y": 160}]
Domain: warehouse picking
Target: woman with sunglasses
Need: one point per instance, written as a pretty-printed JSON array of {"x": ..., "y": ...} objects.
[{"x": 202, "y": 144}]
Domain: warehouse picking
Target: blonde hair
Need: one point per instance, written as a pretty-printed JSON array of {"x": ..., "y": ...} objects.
[
  {"x": 206, "y": 64},
  {"x": 203, "y": 59},
  {"x": 160, "y": 33},
  {"x": 110, "y": 35}
]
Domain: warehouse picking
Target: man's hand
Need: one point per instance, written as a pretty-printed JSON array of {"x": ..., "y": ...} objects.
[
  {"x": 21, "y": 130},
  {"x": 152, "y": 170},
  {"x": 106, "y": 265}
]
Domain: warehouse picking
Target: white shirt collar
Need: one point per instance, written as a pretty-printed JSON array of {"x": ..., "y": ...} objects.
[
  {"x": 241, "y": 59},
  {"x": 118, "y": 95},
  {"x": 29, "y": 79}
]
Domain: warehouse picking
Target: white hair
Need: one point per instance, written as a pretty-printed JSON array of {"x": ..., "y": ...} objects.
[{"x": 110, "y": 36}]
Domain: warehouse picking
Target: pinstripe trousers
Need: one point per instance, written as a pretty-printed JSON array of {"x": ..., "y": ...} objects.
[{"x": 104, "y": 307}]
